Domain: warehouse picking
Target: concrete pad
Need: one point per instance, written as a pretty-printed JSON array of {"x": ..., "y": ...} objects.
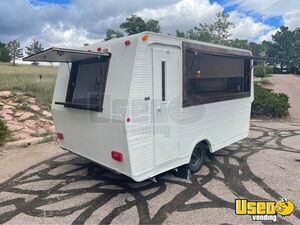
[{"x": 263, "y": 165}]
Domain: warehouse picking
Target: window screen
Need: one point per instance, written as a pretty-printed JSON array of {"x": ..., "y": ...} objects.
[
  {"x": 211, "y": 78},
  {"x": 87, "y": 84}
]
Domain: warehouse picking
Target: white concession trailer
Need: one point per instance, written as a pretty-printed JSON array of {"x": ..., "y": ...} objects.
[{"x": 147, "y": 103}]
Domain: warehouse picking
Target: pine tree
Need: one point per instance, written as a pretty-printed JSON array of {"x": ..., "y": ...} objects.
[
  {"x": 15, "y": 51},
  {"x": 34, "y": 47}
]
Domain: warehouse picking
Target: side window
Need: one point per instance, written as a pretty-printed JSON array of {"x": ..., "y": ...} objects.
[
  {"x": 87, "y": 84},
  {"x": 163, "y": 80},
  {"x": 212, "y": 78}
]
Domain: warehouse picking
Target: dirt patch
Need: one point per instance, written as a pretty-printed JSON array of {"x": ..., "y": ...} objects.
[
  {"x": 15, "y": 160},
  {"x": 290, "y": 85}
]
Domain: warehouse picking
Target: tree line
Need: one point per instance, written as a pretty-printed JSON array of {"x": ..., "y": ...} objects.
[
  {"x": 12, "y": 50},
  {"x": 282, "y": 52}
]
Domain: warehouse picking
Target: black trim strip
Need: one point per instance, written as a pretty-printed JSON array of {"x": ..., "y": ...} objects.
[
  {"x": 79, "y": 106},
  {"x": 196, "y": 100}
]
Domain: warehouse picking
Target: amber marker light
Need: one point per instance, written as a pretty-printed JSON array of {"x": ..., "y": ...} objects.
[{"x": 145, "y": 37}]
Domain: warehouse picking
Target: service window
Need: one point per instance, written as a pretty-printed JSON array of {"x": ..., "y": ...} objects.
[
  {"x": 209, "y": 77},
  {"x": 87, "y": 84}
]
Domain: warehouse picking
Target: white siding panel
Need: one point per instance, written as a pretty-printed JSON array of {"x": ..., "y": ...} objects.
[{"x": 140, "y": 129}]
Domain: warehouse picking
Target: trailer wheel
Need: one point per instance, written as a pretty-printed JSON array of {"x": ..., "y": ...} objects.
[{"x": 197, "y": 158}]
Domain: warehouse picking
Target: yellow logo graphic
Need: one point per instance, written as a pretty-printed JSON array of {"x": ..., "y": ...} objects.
[
  {"x": 264, "y": 210},
  {"x": 285, "y": 207}
]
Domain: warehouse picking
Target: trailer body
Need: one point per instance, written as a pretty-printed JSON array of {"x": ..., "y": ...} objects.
[{"x": 139, "y": 105}]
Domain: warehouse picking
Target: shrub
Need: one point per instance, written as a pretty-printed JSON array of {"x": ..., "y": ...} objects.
[
  {"x": 265, "y": 81},
  {"x": 262, "y": 71},
  {"x": 268, "y": 70},
  {"x": 4, "y": 132},
  {"x": 269, "y": 104}
]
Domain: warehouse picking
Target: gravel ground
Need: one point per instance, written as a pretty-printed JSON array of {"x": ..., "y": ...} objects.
[
  {"x": 44, "y": 185},
  {"x": 289, "y": 84}
]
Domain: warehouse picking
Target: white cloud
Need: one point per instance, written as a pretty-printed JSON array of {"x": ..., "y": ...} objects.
[
  {"x": 289, "y": 10},
  {"x": 292, "y": 19},
  {"x": 87, "y": 21},
  {"x": 267, "y": 36},
  {"x": 186, "y": 14},
  {"x": 183, "y": 15},
  {"x": 247, "y": 28},
  {"x": 66, "y": 37}
]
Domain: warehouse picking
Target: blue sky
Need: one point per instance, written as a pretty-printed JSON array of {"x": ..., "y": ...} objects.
[
  {"x": 62, "y": 2},
  {"x": 74, "y": 22},
  {"x": 275, "y": 21}
]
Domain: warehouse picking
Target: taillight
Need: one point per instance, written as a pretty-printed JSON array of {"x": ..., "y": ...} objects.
[
  {"x": 118, "y": 156},
  {"x": 127, "y": 42},
  {"x": 60, "y": 136}
]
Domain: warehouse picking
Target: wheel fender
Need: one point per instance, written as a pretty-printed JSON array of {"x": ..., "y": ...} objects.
[{"x": 197, "y": 141}]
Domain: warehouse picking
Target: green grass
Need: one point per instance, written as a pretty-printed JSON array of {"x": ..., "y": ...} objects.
[{"x": 25, "y": 78}]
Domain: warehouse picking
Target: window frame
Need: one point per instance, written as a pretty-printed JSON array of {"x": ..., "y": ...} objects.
[
  {"x": 188, "y": 100},
  {"x": 73, "y": 77}
]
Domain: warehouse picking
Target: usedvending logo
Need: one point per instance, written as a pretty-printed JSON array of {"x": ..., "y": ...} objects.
[{"x": 264, "y": 210}]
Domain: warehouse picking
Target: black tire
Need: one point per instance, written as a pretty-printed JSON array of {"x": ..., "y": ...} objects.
[{"x": 197, "y": 158}]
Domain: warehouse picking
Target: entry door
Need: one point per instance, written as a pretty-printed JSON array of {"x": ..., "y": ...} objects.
[{"x": 166, "y": 92}]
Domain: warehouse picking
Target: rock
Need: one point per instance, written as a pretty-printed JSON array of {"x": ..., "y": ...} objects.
[
  {"x": 10, "y": 102},
  {"x": 41, "y": 130},
  {"x": 13, "y": 126},
  {"x": 30, "y": 123},
  {"x": 22, "y": 135},
  {"x": 20, "y": 113},
  {"x": 47, "y": 114},
  {"x": 26, "y": 116},
  {"x": 31, "y": 100},
  {"x": 6, "y": 117},
  {"x": 35, "y": 108},
  {"x": 29, "y": 130},
  {"x": 8, "y": 107},
  {"x": 6, "y": 94},
  {"x": 7, "y": 111},
  {"x": 52, "y": 129},
  {"x": 23, "y": 143},
  {"x": 1, "y": 103}
]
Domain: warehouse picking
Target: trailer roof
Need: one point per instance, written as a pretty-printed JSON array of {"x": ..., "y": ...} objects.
[
  {"x": 206, "y": 45},
  {"x": 172, "y": 40}
]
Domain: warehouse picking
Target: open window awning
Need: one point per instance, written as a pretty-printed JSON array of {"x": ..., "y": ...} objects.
[
  {"x": 221, "y": 51},
  {"x": 64, "y": 55}
]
